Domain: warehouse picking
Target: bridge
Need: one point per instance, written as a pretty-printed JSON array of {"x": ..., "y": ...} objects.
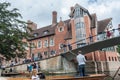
[{"x": 93, "y": 46}]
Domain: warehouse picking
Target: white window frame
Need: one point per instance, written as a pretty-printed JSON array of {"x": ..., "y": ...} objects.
[
  {"x": 39, "y": 44},
  {"x": 51, "y": 41},
  {"x": 46, "y": 43},
  {"x": 61, "y": 29}
]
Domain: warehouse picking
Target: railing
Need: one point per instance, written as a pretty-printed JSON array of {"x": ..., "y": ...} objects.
[{"x": 93, "y": 39}]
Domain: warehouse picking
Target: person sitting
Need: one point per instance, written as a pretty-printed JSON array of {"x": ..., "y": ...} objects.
[
  {"x": 34, "y": 75},
  {"x": 41, "y": 75}
]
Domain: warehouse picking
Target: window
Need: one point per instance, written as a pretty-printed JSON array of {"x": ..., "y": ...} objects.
[
  {"x": 115, "y": 59},
  {"x": 45, "y": 53},
  {"x": 80, "y": 31},
  {"x": 109, "y": 59},
  {"x": 81, "y": 12},
  {"x": 46, "y": 32},
  {"x": 112, "y": 59},
  {"x": 77, "y": 12},
  {"x": 39, "y": 44},
  {"x": 60, "y": 46},
  {"x": 60, "y": 29},
  {"x": 25, "y": 45},
  {"x": 52, "y": 52},
  {"x": 32, "y": 45},
  {"x": 39, "y": 55},
  {"x": 35, "y": 34},
  {"x": 51, "y": 42},
  {"x": 46, "y": 43}
]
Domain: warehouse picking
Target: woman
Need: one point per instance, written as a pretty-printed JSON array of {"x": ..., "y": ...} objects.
[{"x": 34, "y": 75}]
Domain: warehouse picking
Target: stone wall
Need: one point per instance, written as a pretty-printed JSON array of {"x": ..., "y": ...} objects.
[
  {"x": 59, "y": 64},
  {"x": 55, "y": 64}
]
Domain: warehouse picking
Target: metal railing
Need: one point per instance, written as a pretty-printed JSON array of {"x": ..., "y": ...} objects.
[{"x": 95, "y": 38}]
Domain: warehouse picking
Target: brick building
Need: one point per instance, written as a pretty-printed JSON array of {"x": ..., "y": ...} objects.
[{"x": 47, "y": 40}]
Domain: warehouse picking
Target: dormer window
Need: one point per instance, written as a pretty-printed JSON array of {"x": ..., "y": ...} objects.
[
  {"x": 35, "y": 34},
  {"x": 46, "y": 32}
]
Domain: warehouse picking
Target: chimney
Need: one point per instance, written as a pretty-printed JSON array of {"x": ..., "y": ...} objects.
[
  {"x": 54, "y": 17},
  {"x": 31, "y": 26},
  {"x": 118, "y": 25},
  {"x": 71, "y": 8}
]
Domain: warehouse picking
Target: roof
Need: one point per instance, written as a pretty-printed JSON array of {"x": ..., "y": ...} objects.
[
  {"x": 49, "y": 29},
  {"x": 84, "y": 9},
  {"x": 102, "y": 24}
]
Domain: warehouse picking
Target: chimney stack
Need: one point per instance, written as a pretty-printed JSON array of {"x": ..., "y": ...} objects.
[
  {"x": 54, "y": 17},
  {"x": 119, "y": 27},
  {"x": 71, "y": 8}
]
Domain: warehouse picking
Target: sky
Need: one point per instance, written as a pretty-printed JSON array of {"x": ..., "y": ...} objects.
[{"x": 40, "y": 11}]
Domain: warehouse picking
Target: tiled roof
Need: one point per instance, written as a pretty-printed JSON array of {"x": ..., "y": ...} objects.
[
  {"x": 102, "y": 24},
  {"x": 40, "y": 32},
  {"x": 49, "y": 29}
]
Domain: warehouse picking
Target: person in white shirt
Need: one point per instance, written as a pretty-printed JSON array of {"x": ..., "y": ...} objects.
[
  {"x": 81, "y": 63},
  {"x": 34, "y": 75}
]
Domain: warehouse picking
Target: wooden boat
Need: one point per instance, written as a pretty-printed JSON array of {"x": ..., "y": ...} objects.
[
  {"x": 10, "y": 74},
  {"x": 90, "y": 77},
  {"x": 19, "y": 78},
  {"x": 66, "y": 77}
]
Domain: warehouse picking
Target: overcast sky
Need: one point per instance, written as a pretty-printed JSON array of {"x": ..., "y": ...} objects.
[{"x": 40, "y": 11}]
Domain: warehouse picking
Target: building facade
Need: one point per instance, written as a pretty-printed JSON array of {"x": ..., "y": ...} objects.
[{"x": 50, "y": 40}]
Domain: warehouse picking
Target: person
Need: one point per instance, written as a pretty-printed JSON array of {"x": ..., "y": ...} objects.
[
  {"x": 91, "y": 38},
  {"x": 69, "y": 46},
  {"x": 34, "y": 75},
  {"x": 12, "y": 63},
  {"x": 41, "y": 75},
  {"x": 34, "y": 65},
  {"x": 30, "y": 68},
  {"x": 64, "y": 47},
  {"x": 81, "y": 63},
  {"x": 108, "y": 33}
]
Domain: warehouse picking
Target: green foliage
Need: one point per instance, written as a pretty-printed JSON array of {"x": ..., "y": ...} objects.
[
  {"x": 12, "y": 32},
  {"x": 118, "y": 49}
]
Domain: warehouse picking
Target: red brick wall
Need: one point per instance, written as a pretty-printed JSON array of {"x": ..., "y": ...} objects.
[
  {"x": 58, "y": 38},
  {"x": 102, "y": 56},
  {"x": 87, "y": 25}
]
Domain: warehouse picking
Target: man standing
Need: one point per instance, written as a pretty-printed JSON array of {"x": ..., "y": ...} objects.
[{"x": 81, "y": 63}]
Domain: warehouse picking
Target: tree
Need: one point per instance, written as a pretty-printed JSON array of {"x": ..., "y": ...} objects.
[
  {"x": 12, "y": 32},
  {"x": 118, "y": 49}
]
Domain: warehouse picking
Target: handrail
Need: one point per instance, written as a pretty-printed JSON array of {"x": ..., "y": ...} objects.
[
  {"x": 116, "y": 73},
  {"x": 95, "y": 35}
]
